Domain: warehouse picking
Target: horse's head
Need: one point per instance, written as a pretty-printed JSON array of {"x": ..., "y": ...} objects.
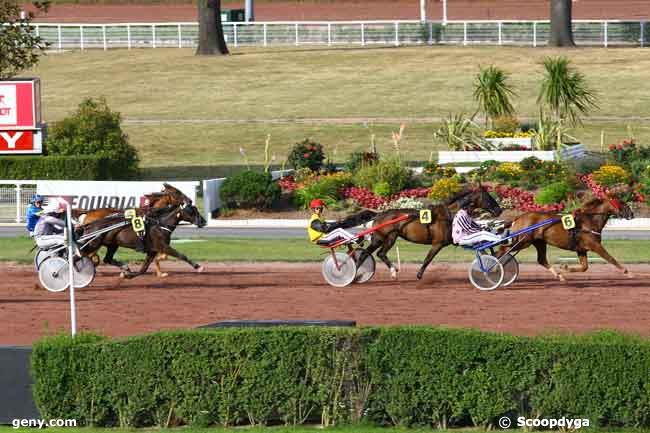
[
  {"x": 479, "y": 198},
  {"x": 175, "y": 195},
  {"x": 619, "y": 208},
  {"x": 191, "y": 214}
]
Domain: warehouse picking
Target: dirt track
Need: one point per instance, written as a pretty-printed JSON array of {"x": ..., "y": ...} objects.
[
  {"x": 535, "y": 304},
  {"x": 354, "y": 10}
]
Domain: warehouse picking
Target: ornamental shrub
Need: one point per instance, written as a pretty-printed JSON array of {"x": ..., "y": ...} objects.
[
  {"x": 553, "y": 193},
  {"x": 382, "y": 189},
  {"x": 326, "y": 188},
  {"x": 360, "y": 158},
  {"x": 508, "y": 171},
  {"x": 250, "y": 190},
  {"x": 307, "y": 154},
  {"x": 609, "y": 175},
  {"x": 445, "y": 188},
  {"x": 436, "y": 171},
  {"x": 389, "y": 172},
  {"x": 93, "y": 129}
]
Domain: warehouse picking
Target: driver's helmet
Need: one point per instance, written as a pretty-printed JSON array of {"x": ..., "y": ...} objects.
[
  {"x": 56, "y": 206},
  {"x": 36, "y": 198}
]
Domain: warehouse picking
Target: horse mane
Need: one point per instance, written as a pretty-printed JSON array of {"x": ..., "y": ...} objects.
[
  {"x": 591, "y": 203},
  {"x": 459, "y": 195},
  {"x": 172, "y": 190}
]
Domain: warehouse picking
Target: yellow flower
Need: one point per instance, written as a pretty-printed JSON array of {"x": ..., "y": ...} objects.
[
  {"x": 445, "y": 188},
  {"x": 609, "y": 175}
]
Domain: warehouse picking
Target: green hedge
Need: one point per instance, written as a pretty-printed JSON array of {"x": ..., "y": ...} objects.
[
  {"x": 387, "y": 376},
  {"x": 62, "y": 167}
]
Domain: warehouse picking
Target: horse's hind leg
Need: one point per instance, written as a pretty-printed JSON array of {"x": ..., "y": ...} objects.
[
  {"x": 584, "y": 264},
  {"x": 389, "y": 241},
  {"x": 540, "y": 246},
  {"x": 598, "y": 248},
  {"x": 156, "y": 263},
  {"x": 375, "y": 243},
  {"x": 109, "y": 260},
  {"x": 143, "y": 268},
  {"x": 435, "y": 249}
]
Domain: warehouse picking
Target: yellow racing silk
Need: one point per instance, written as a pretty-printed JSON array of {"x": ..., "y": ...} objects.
[{"x": 314, "y": 235}]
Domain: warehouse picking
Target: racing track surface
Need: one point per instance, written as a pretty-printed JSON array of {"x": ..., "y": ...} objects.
[{"x": 535, "y": 304}]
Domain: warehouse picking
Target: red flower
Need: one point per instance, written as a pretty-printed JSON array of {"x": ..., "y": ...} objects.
[
  {"x": 306, "y": 155},
  {"x": 612, "y": 147},
  {"x": 619, "y": 147}
]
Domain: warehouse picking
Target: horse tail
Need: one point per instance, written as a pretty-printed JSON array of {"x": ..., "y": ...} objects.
[{"x": 358, "y": 219}]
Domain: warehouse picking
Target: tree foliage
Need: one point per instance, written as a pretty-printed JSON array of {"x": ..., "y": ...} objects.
[{"x": 20, "y": 46}]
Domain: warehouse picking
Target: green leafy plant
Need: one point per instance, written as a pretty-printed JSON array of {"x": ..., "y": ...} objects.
[
  {"x": 551, "y": 134},
  {"x": 306, "y": 154},
  {"x": 391, "y": 172},
  {"x": 250, "y": 190},
  {"x": 492, "y": 92},
  {"x": 324, "y": 187},
  {"x": 94, "y": 129},
  {"x": 382, "y": 189},
  {"x": 553, "y": 193},
  {"x": 564, "y": 91},
  {"x": 460, "y": 133},
  {"x": 360, "y": 158}
]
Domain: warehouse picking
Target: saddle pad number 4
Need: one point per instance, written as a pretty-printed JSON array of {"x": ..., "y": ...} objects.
[
  {"x": 425, "y": 216},
  {"x": 568, "y": 222}
]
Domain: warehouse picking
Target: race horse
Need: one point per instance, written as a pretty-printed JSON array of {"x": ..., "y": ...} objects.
[
  {"x": 437, "y": 233},
  {"x": 160, "y": 224},
  {"x": 169, "y": 196},
  {"x": 590, "y": 219}
]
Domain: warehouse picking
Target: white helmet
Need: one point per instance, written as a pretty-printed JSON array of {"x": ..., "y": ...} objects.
[{"x": 55, "y": 205}]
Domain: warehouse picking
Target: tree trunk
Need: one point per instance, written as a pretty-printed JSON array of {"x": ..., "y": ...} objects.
[
  {"x": 211, "y": 39},
  {"x": 561, "y": 31}
]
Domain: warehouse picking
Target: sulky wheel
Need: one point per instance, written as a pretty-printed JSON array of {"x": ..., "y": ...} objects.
[
  {"x": 53, "y": 274},
  {"x": 510, "y": 269},
  {"x": 83, "y": 272},
  {"x": 340, "y": 272},
  {"x": 40, "y": 256},
  {"x": 366, "y": 270},
  {"x": 486, "y": 272}
]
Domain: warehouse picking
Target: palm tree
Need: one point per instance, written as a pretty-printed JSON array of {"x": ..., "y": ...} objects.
[
  {"x": 565, "y": 91},
  {"x": 492, "y": 92}
]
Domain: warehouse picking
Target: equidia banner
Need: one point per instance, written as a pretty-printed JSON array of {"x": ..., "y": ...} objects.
[{"x": 120, "y": 195}]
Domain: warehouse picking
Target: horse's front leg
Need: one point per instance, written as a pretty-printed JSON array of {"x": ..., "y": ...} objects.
[
  {"x": 435, "y": 249},
  {"x": 167, "y": 250},
  {"x": 598, "y": 248}
]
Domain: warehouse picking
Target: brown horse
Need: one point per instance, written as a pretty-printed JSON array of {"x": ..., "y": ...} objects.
[
  {"x": 437, "y": 233},
  {"x": 590, "y": 220},
  {"x": 160, "y": 225},
  {"x": 169, "y": 196}
]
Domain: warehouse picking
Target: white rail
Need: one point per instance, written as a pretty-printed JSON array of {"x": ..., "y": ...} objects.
[{"x": 362, "y": 33}]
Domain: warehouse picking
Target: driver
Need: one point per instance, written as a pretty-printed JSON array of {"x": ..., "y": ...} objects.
[
  {"x": 34, "y": 212},
  {"x": 49, "y": 228},
  {"x": 321, "y": 232},
  {"x": 465, "y": 231}
]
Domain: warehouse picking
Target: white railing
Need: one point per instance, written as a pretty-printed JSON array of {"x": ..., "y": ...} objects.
[
  {"x": 14, "y": 199},
  {"x": 362, "y": 33}
]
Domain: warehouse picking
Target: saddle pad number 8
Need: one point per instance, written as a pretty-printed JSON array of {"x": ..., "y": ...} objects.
[
  {"x": 136, "y": 222},
  {"x": 568, "y": 222},
  {"x": 425, "y": 216}
]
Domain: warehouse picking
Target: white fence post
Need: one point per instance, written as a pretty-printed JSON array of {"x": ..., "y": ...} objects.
[
  {"x": 534, "y": 33},
  {"x": 153, "y": 35},
  {"x": 363, "y": 35},
  {"x": 128, "y": 35},
  {"x": 431, "y": 33},
  {"x": 297, "y": 34},
  {"x": 180, "y": 37},
  {"x": 234, "y": 33},
  {"x": 500, "y": 37},
  {"x": 18, "y": 202},
  {"x": 59, "y": 36},
  {"x": 38, "y": 30},
  {"x": 605, "y": 34},
  {"x": 465, "y": 33},
  {"x": 396, "y": 33},
  {"x": 642, "y": 34},
  {"x": 265, "y": 42},
  {"x": 329, "y": 34},
  {"x": 104, "y": 37},
  {"x": 81, "y": 37}
]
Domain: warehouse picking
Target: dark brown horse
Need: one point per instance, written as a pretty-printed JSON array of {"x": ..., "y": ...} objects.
[
  {"x": 169, "y": 196},
  {"x": 590, "y": 220},
  {"x": 160, "y": 226},
  {"x": 437, "y": 233}
]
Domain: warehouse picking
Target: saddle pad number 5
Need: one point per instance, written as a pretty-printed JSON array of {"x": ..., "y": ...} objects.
[
  {"x": 568, "y": 222},
  {"x": 138, "y": 224},
  {"x": 425, "y": 216}
]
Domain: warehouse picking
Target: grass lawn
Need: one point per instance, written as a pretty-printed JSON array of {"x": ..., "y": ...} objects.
[
  {"x": 298, "y": 429},
  {"x": 298, "y": 250},
  {"x": 271, "y": 90}
]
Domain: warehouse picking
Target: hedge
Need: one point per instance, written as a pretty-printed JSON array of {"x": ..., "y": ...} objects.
[
  {"x": 402, "y": 376},
  {"x": 62, "y": 167}
]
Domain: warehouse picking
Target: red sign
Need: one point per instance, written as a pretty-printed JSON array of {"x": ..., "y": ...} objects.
[
  {"x": 19, "y": 104},
  {"x": 20, "y": 142}
]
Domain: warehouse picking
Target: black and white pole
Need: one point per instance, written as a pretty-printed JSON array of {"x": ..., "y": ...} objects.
[{"x": 71, "y": 252}]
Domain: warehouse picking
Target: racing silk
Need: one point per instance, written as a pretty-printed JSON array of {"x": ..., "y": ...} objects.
[
  {"x": 463, "y": 225},
  {"x": 49, "y": 225},
  {"x": 317, "y": 228},
  {"x": 33, "y": 214}
]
